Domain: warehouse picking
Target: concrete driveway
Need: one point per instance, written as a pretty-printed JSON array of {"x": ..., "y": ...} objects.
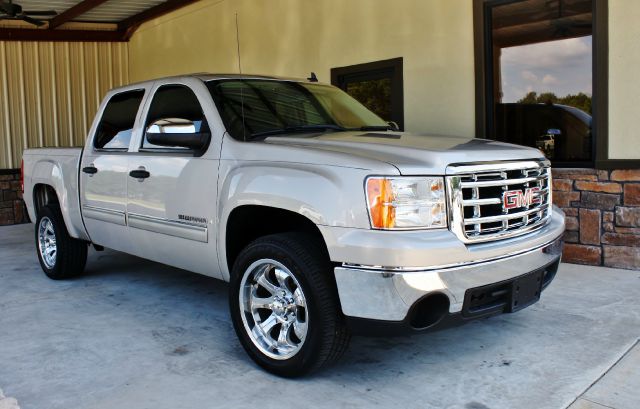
[{"x": 135, "y": 334}]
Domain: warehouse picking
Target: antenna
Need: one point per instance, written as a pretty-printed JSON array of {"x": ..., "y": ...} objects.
[
  {"x": 238, "y": 45},
  {"x": 244, "y": 133}
]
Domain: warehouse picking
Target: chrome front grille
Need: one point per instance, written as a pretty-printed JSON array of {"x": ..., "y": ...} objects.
[{"x": 498, "y": 200}]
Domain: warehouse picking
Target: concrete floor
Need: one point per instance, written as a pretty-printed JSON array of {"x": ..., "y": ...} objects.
[{"x": 135, "y": 334}]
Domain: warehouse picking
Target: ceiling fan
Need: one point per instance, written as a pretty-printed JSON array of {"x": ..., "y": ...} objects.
[{"x": 11, "y": 11}]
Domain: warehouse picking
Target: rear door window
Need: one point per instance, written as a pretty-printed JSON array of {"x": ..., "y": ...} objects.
[{"x": 118, "y": 119}]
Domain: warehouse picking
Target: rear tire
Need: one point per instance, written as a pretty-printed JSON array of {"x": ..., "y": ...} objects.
[
  {"x": 284, "y": 305},
  {"x": 60, "y": 255}
]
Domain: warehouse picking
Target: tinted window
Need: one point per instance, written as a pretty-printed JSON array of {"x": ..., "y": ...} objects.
[
  {"x": 539, "y": 77},
  {"x": 377, "y": 85},
  {"x": 175, "y": 102},
  {"x": 118, "y": 118},
  {"x": 252, "y": 107}
]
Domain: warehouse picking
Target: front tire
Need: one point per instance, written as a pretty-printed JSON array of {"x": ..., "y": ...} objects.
[
  {"x": 60, "y": 255},
  {"x": 284, "y": 305}
]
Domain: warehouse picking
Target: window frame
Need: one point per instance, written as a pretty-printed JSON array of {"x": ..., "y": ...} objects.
[
  {"x": 484, "y": 90},
  {"x": 376, "y": 70},
  {"x": 135, "y": 121}
]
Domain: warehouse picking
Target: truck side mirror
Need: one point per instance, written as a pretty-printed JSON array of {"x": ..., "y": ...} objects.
[{"x": 172, "y": 132}]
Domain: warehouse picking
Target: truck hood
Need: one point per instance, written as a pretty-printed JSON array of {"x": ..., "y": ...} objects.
[{"x": 412, "y": 154}]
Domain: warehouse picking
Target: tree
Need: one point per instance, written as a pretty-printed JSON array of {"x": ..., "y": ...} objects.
[
  {"x": 580, "y": 100},
  {"x": 530, "y": 98}
]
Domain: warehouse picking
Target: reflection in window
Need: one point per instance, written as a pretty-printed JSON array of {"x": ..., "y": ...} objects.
[
  {"x": 377, "y": 85},
  {"x": 177, "y": 103},
  {"x": 374, "y": 94},
  {"x": 252, "y": 107},
  {"x": 542, "y": 79}
]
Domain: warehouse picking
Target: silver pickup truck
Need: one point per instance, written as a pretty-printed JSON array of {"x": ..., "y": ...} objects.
[{"x": 323, "y": 217}]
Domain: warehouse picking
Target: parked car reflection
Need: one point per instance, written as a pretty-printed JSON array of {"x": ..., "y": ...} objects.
[{"x": 562, "y": 132}]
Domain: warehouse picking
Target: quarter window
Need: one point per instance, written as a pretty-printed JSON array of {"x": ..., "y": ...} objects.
[
  {"x": 118, "y": 118},
  {"x": 175, "y": 103}
]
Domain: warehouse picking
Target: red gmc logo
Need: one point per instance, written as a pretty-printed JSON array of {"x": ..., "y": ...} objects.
[{"x": 513, "y": 199}]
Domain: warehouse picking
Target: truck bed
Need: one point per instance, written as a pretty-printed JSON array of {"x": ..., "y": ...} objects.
[{"x": 57, "y": 168}]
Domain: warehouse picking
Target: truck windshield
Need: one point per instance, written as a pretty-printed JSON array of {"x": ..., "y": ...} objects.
[{"x": 255, "y": 108}]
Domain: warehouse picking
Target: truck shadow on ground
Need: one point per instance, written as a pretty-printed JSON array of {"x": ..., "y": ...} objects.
[{"x": 178, "y": 301}]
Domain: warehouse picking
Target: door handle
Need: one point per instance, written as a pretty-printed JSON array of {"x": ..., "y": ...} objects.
[
  {"x": 139, "y": 173},
  {"x": 91, "y": 170}
]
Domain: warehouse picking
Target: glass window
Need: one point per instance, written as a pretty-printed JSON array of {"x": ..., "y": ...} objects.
[
  {"x": 174, "y": 103},
  {"x": 374, "y": 94},
  {"x": 255, "y": 108},
  {"x": 377, "y": 85},
  {"x": 118, "y": 118},
  {"x": 541, "y": 74}
]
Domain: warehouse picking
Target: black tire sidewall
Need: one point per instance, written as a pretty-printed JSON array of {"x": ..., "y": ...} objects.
[
  {"x": 305, "y": 359},
  {"x": 71, "y": 254}
]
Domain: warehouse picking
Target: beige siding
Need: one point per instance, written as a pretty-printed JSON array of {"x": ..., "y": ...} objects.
[
  {"x": 49, "y": 92},
  {"x": 295, "y": 37},
  {"x": 624, "y": 85}
]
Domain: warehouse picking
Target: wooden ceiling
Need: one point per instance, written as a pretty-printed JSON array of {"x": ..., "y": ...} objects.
[
  {"x": 535, "y": 21},
  {"x": 86, "y": 20}
]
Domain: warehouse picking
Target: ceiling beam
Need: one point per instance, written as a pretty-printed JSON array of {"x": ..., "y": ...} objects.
[
  {"x": 130, "y": 24},
  {"x": 28, "y": 34},
  {"x": 74, "y": 12}
]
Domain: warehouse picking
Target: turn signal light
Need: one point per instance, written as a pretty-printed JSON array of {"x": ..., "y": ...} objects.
[
  {"x": 397, "y": 203},
  {"x": 380, "y": 197}
]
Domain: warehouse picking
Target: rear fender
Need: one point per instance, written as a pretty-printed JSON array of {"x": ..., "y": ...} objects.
[{"x": 48, "y": 172}]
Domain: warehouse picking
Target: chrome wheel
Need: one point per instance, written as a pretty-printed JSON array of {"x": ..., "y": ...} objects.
[
  {"x": 273, "y": 309},
  {"x": 47, "y": 242}
]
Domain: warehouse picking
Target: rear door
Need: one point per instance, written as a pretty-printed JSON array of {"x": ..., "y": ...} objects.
[
  {"x": 172, "y": 190},
  {"x": 104, "y": 169}
]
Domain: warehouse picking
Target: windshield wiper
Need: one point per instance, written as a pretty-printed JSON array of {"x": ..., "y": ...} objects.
[
  {"x": 299, "y": 129},
  {"x": 373, "y": 128}
]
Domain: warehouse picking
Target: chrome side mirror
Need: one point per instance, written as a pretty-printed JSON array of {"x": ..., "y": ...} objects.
[
  {"x": 171, "y": 125},
  {"x": 177, "y": 132}
]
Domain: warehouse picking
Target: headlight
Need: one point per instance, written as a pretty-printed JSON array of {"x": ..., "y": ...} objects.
[{"x": 406, "y": 202}]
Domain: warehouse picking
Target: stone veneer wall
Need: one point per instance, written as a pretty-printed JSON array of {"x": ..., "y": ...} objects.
[
  {"x": 603, "y": 216},
  {"x": 12, "y": 210}
]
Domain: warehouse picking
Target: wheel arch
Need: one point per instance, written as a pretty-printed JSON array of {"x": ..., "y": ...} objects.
[
  {"x": 43, "y": 195},
  {"x": 246, "y": 223},
  {"x": 53, "y": 185}
]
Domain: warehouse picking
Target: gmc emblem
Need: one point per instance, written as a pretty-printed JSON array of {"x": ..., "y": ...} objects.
[{"x": 513, "y": 199}]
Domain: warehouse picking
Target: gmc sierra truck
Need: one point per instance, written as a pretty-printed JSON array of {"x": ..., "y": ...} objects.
[{"x": 324, "y": 218}]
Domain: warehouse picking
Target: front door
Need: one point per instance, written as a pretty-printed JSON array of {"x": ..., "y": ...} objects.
[
  {"x": 172, "y": 190},
  {"x": 104, "y": 171}
]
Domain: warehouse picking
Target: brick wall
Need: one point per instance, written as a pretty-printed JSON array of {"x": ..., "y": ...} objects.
[
  {"x": 603, "y": 216},
  {"x": 12, "y": 210}
]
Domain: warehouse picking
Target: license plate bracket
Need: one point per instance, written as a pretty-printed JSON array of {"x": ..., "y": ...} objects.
[{"x": 525, "y": 290}]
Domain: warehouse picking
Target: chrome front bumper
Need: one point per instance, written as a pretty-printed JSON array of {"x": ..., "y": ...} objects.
[{"x": 388, "y": 294}]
